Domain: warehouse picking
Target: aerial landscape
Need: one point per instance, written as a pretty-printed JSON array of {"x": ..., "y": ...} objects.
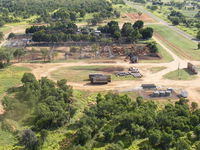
[{"x": 100, "y": 75}]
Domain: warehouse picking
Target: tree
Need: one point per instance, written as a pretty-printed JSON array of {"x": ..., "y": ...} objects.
[
  {"x": 19, "y": 53},
  {"x": 147, "y": 33},
  {"x": 155, "y": 137},
  {"x": 114, "y": 147},
  {"x": 6, "y": 54},
  {"x": 2, "y": 23},
  {"x": 73, "y": 16},
  {"x": 32, "y": 51},
  {"x": 134, "y": 36},
  {"x": 198, "y": 46},
  {"x": 44, "y": 53},
  {"x": 126, "y": 29},
  {"x": 175, "y": 20},
  {"x": 29, "y": 139},
  {"x": 113, "y": 26},
  {"x": 94, "y": 21},
  {"x": 1, "y": 36},
  {"x": 82, "y": 13},
  {"x": 152, "y": 47},
  {"x": 194, "y": 106},
  {"x": 95, "y": 48},
  {"x": 117, "y": 35},
  {"x": 183, "y": 144},
  {"x": 28, "y": 78},
  {"x": 11, "y": 35},
  {"x": 117, "y": 13},
  {"x": 43, "y": 135},
  {"x": 138, "y": 24},
  {"x": 198, "y": 35},
  {"x": 83, "y": 135}
]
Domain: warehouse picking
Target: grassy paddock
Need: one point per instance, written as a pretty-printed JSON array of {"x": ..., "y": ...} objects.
[
  {"x": 182, "y": 74},
  {"x": 10, "y": 77},
  {"x": 80, "y": 73},
  {"x": 185, "y": 45}
]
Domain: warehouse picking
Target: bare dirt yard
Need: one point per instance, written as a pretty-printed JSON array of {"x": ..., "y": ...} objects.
[{"x": 144, "y": 17}]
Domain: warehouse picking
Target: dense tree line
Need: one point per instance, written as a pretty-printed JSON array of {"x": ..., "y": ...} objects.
[
  {"x": 61, "y": 32},
  {"x": 67, "y": 9},
  {"x": 132, "y": 32},
  {"x": 51, "y": 106},
  {"x": 117, "y": 121}
]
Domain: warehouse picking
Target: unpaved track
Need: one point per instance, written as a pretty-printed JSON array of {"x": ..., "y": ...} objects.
[{"x": 45, "y": 70}]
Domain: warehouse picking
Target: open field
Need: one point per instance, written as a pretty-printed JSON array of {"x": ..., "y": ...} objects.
[
  {"x": 80, "y": 73},
  {"x": 156, "y": 69},
  {"x": 179, "y": 44},
  {"x": 10, "y": 77},
  {"x": 182, "y": 74}
]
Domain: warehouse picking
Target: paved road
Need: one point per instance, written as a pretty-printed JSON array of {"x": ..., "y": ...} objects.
[{"x": 161, "y": 21}]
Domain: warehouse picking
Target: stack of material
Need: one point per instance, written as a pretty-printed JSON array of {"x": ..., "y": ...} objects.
[
  {"x": 163, "y": 93},
  {"x": 136, "y": 49},
  {"x": 131, "y": 71},
  {"x": 192, "y": 68},
  {"x": 135, "y": 72}
]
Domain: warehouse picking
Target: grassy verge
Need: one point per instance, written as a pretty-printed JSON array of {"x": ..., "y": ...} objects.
[
  {"x": 176, "y": 42},
  {"x": 182, "y": 74},
  {"x": 157, "y": 69},
  {"x": 10, "y": 77}
]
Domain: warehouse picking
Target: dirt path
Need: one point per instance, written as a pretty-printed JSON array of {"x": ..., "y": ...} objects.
[
  {"x": 193, "y": 86},
  {"x": 175, "y": 48}
]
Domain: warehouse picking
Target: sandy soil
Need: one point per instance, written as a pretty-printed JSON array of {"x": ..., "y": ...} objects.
[{"x": 144, "y": 17}]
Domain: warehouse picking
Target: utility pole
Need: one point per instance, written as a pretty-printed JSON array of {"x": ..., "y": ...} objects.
[{"x": 179, "y": 71}]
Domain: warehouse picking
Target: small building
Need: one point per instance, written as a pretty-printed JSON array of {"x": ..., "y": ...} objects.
[{"x": 148, "y": 86}]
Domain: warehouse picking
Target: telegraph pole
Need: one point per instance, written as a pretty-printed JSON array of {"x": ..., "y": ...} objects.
[{"x": 179, "y": 71}]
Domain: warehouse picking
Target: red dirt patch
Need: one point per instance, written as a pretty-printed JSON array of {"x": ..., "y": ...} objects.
[{"x": 144, "y": 17}]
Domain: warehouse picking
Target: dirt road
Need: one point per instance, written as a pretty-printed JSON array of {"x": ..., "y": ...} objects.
[{"x": 161, "y": 21}]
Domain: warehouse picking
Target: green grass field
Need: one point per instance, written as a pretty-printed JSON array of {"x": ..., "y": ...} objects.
[
  {"x": 185, "y": 45},
  {"x": 10, "y": 77},
  {"x": 182, "y": 74},
  {"x": 157, "y": 69},
  {"x": 80, "y": 73}
]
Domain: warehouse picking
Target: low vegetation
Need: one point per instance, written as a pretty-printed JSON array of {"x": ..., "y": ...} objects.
[
  {"x": 182, "y": 74},
  {"x": 182, "y": 47},
  {"x": 10, "y": 77},
  {"x": 115, "y": 122},
  {"x": 184, "y": 15},
  {"x": 157, "y": 69},
  {"x": 53, "y": 118},
  {"x": 81, "y": 73}
]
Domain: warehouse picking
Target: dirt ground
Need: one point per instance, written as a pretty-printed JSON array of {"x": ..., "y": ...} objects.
[
  {"x": 192, "y": 86},
  {"x": 144, "y": 17}
]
